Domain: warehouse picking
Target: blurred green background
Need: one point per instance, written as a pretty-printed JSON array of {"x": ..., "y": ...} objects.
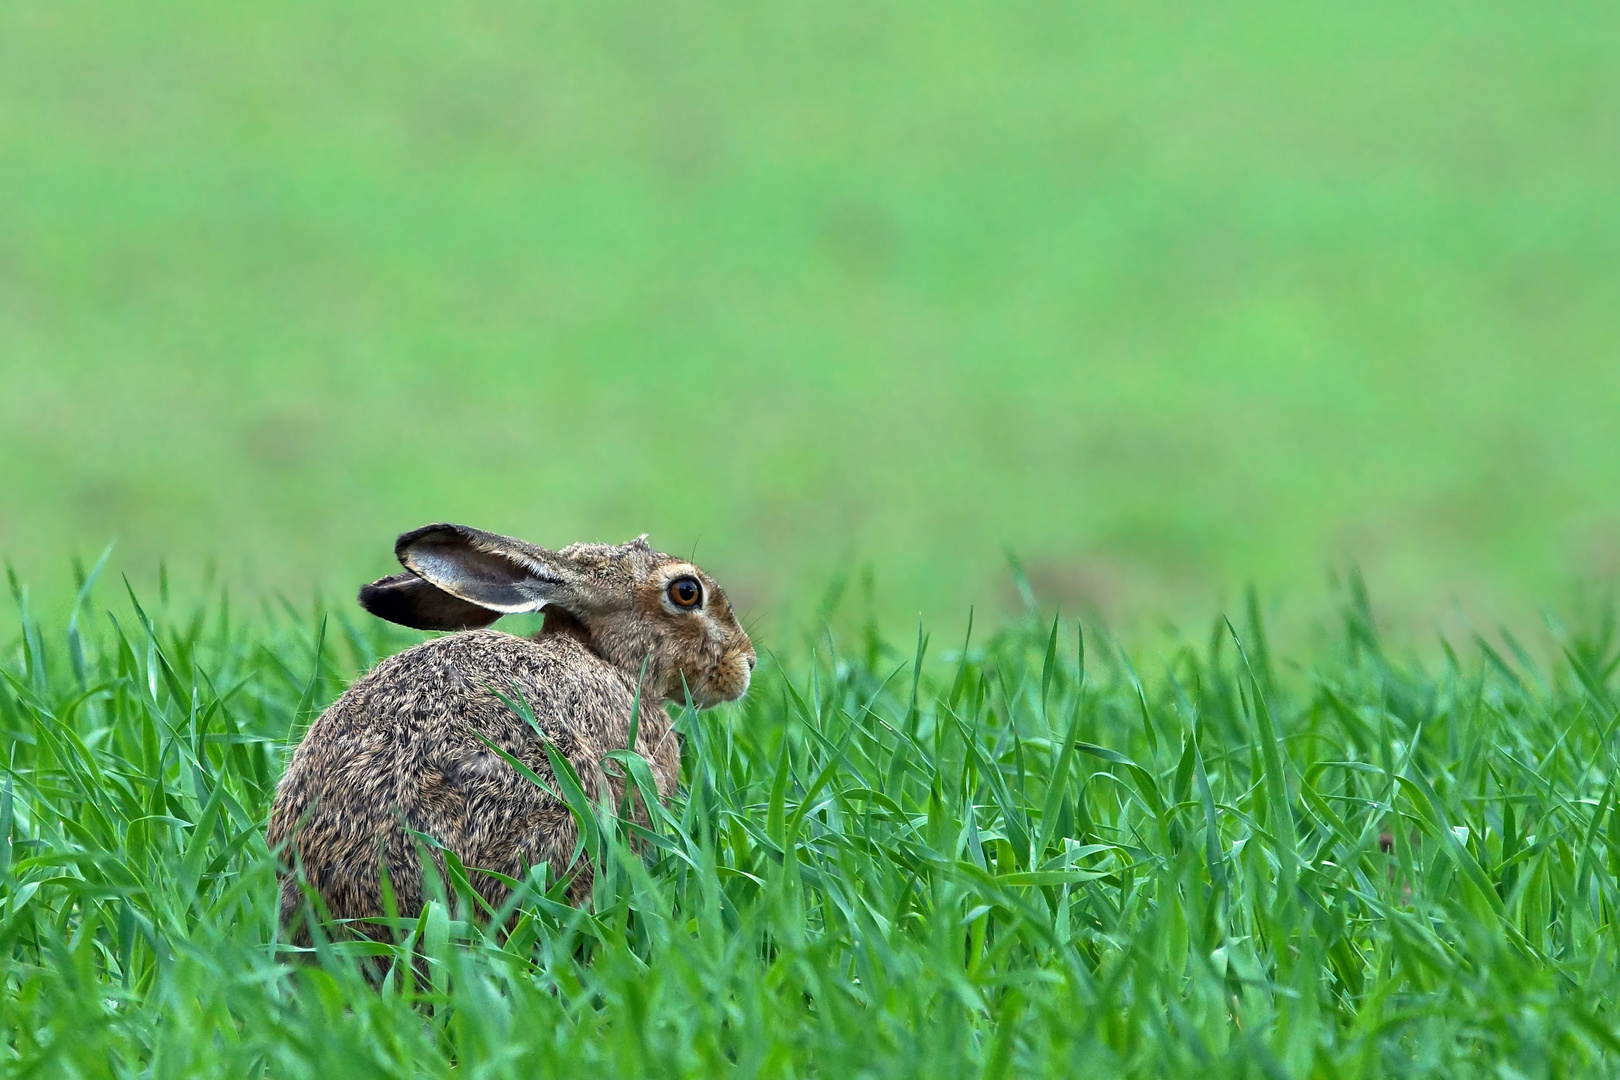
[{"x": 1165, "y": 297}]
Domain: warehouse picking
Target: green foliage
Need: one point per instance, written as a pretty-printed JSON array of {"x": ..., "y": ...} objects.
[{"x": 1018, "y": 858}]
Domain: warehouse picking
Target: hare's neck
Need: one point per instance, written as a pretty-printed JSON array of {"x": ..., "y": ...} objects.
[{"x": 562, "y": 624}]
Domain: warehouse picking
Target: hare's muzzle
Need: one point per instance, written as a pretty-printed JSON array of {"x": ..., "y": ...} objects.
[{"x": 732, "y": 675}]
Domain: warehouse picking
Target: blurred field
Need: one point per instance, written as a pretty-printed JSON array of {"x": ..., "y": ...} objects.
[{"x": 1165, "y": 297}]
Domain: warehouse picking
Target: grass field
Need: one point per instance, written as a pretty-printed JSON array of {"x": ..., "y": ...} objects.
[
  {"x": 1023, "y": 857},
  {"x": 851, "y": 300},
  {"x": 1166, "y": 298}
]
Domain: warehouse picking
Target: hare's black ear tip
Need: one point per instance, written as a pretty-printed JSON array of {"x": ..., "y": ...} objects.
[
  {"x": 409, "y": 601},
  {"x": 389, "y": 598}
]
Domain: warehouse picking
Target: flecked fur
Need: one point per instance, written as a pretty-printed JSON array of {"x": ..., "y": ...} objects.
[{"x": 397, "y": 753}]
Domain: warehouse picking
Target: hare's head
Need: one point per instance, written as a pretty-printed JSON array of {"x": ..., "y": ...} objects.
[{"x": 631, "y": 604}]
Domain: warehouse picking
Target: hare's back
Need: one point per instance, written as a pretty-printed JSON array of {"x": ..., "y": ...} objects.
[
  {"x": 411, "y": 748},
  {"x": 452, "y": 686},
  {"x": 415, "y": 737},
  {"x": 417, "y": 724}
]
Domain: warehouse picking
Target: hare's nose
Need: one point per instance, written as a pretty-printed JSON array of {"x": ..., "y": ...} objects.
[{"x": 752, "y": 660}]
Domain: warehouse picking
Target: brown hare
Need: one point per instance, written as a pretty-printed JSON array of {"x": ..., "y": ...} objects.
[{"x": 400, "y": 753}]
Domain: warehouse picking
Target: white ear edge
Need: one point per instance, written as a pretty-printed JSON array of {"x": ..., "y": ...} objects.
[
  {"x": 493, "y": 572},
  {"x": 444, "y": 571}
]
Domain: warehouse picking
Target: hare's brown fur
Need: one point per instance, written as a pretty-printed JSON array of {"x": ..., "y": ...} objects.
[{"x": 399, "y": 753}]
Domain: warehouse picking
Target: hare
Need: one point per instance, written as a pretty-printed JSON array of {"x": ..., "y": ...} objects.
[{"x": 400, "y": 752}]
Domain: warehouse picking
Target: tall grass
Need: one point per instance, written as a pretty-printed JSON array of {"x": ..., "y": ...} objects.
[{"x": 1014, "y": 856}]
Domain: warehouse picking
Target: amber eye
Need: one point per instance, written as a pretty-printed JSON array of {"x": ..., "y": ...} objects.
[{"x": 685, "y": 592}]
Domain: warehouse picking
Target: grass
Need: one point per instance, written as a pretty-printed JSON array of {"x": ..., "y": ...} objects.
[
  {"x": 1016, "y": 856},
  {"x": 1162, "y": 296}
]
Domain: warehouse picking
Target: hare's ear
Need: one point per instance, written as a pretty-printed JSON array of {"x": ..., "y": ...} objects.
[
  {"x": 408, "y": 600},
  {"x": 493, "y": 572}
]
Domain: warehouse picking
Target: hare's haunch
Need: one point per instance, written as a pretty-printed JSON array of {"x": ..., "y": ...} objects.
[{"x": 400, "y": 752}]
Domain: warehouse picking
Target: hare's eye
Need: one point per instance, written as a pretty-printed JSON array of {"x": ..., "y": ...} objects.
[{"x": 685, "y": 592}]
